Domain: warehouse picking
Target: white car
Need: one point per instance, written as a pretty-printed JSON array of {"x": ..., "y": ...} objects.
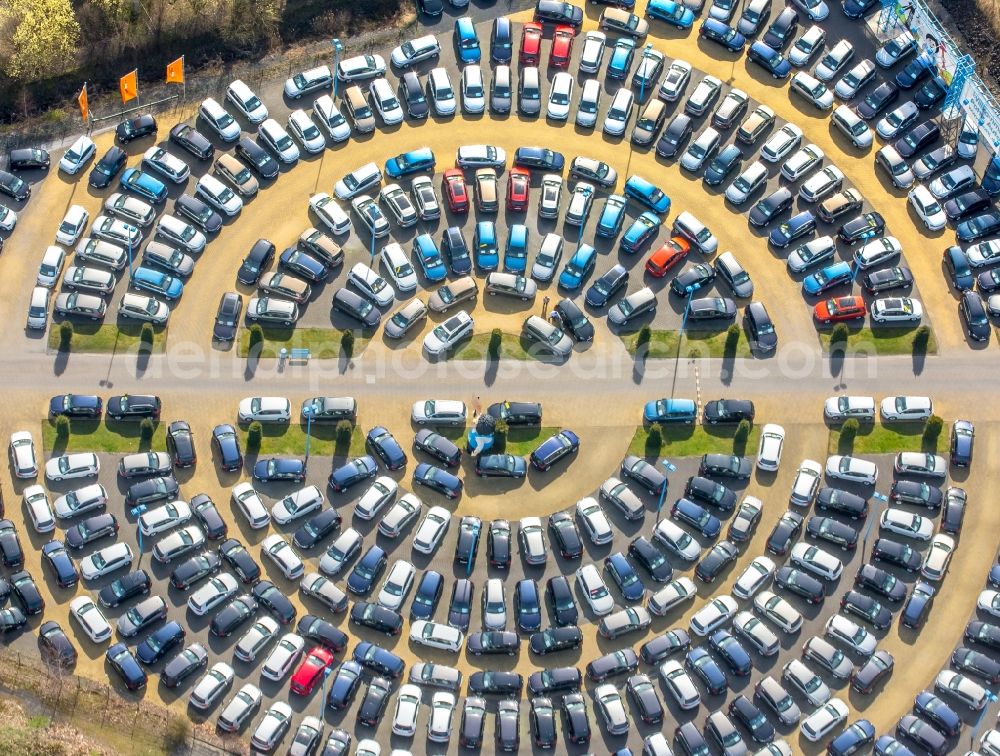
[
  {"x": 378, "y": 495},
  {"x": 77, "y": 156},
  {"x": 330, "y": 213},
  {"x": 51, "y": 266},
  {"x": 162, "y": 162},
  {"x": 902, "y": 408},
  {"x": 72, "y": 225},
  {"x": 802, "y": 679},
  {"x": 840, "y": 408},
  {"x": 248, "y": 501},
  {"x": 965, "y": 689},
  {"x": 397, "y": 585},
  {"x": 815, "y": 10},
  {"x": 341, "y": 551},
  {"x": 283, "y": 657},
  {"x": 680, "y": 685},
  {"x": 81, "y": 500},
  {"x": 240, "y": 708},
  {"x": 36, "y": 502},
  {"x": 803, "y": 161},
  {"x": 822, "y": 721},
  {"x": 835, "y": 59},
  {"x": 473, "y": 90},
  {"x": 938, "y": 557},
  {"x": 414, "y": 51},
  {"x": 896, "y": 310},
  {"x": 277, "y": 549},
  {"x": 442, "y": 92},
  {"x": 212, "y": 594},
  {"x": 164, "y": 517},
  {"x": 853, "y": 469},
  {"x": 616, "y": 119},
  {"x": 772, "y": 441},
  {"x": 822, "y": 183},
  {"x": 927, "y": 208},
  {"x": 907, "y": 524},
  {"x": 246, "y": 102},
  {"x": 259, "y": 635},
  {"x": 113, "y": 230},
  {"x": 595, "y": 522},
  {"x": 560, "y": 96},
  {"x": 309, "y": 81},
  {"x": 531, "y": 537},
  {"x": 399, "y": 269},
  {"x": 608, "y": 701},
  {"x": 8, "y": 218},
  {"x": 781, "y": 143},
  {"x": 219, "y": 195},
  {"x": 218, "y": 119},
  {"x": 494, "y": 606},
  {"x": 776, "y": 609},
  {"x": 896, "y": 121},
  {"x": 676, "y": 80},
  {"x": 439, "y": 722},
  {"x": 922, "y": 464},
  {"x": 748, "y": 182},
  {"x": 212, "y": 685},
  {"x": 852, "y": 82},
  {"x": 71, "y": 466},
  {"x": 178, "y": 542},
  {"x": 447, "y": 335},
  {"x": 756, "y": 633},
  {"x": 324, "y": 591},
  {"x": 105, "y": 561},
  {"x": 704, "y": 94},
  {"x": 807, "y": 45},
  {"x": 362, "y": 179},
  {"x": 673, "y": 594},
  {"x": 404, "y": 721},
  {"x": 384, "y": 100},
  {"x": 594, "y": 590},
  {"x": 851, "y": 634},
  {"x": 677, "y": 540},
  {"x": 427, "y": 537},
  {"x": 180, "y": 234},
  {"x": 22, "y": 455},
  {"x": 878, "y": 252},
  {"x": 439, "y": 412},
  {"x": 90, "y": 619},
  {"x": 475, "y": 156},
  {"x": 308, "y": 134},
  {"x": 436, "y": 635},
  {"x": 330, "y": 118},
  {"x": 273, "y": 134},
  {"x": 806, "y": 483},
  {"x": 371, "y": 284},
  {"x": 588, "y": 104},
  {"x": 983, "y": 253},
  {"x": 713, "y": 615},
  {"x": 592, "y": 52},
  {"x": 400, "y": 515},
  {"x": 297, "y": 505},
  {"x": 754, "y": 577},
  {"x": 817, "y": 561},
  {"x": 265, "y": 409}
]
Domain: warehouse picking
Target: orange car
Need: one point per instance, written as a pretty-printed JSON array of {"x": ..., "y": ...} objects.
[
  {"x": 840, "y": 308},
  {"x": 531, "y": 44},
  {"x": 667, "y": 256}
]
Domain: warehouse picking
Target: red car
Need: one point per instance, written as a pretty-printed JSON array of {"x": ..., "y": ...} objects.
[
  {"x": 518, "y": 180},
  {"x": 562, "y": 46},
  {"x": 531, "y": 44},
  {"x": 455, "y": 190},
  {"x": 840, "y": 308},
  {"x": 667, "y": 256},
  {"x": 311, "y": 670}
]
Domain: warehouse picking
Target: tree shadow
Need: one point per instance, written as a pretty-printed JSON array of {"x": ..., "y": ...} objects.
[
  {"x": 492, "y": 367},
  {"x": 61, "y": 362}
]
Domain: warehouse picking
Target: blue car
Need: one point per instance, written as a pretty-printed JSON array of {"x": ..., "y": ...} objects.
[
  {"x": 701, "y": 664},
  {"x": 554, "y": 448},
  {"x": 428, "y": 592},
  {"x": 580, "y": 265},
  {"x": 670, "y": 12},
  {"x": 625, "y": 577},
  {"x": 609, "y": 224},
  {"x": 414, "y": 161},
  {"x": 466, "y": 40},
  {"x": 429, "y": 259},
  {"x": 828, "y": 278},
  {"x": 367, "y": 570},
  {"x": 770, "y": 60},
  {"x": 795, "y": 227},
  {"x": 695, "y": 515},
  {"x": 647, "y": 194},
  {"x": 723, "y": 34},
  {"x": 157, "y": 282},
  {"x": 670, "y": 411},
  {"x": 146, "y": 186},
  {"x": 515, "y": 256},
  {"x": 642, "y": 231},
  {"x": 854, "y": 739},
  {"x": 352, "y": 472},
  {"x": 386, "y": 448},
  {"x": 485, "y": 245},
  {"x": 437, "y": 479},
  {"x": 959, "y": 270},
  {"x": 621, "y": 58},
  {"x": 379, "y": 660},
  {"x": 527, "y": 607}
]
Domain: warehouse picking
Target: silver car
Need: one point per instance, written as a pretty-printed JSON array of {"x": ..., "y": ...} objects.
[{"x": 548, "y": 336}]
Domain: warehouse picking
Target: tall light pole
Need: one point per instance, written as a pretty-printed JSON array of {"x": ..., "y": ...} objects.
[
  {"x": 638, "y": 109},
  {"x": 308, "y": 412},
  {"x": 669, "y": 467},
  {"x": 337, "y": 47}
]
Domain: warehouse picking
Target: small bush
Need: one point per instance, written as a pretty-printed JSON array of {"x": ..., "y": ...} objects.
[
  {"x": 496, "y": 341},
  {"x": 347, "y": 343},
  {"x": 732, "y": 340},
  {"x": 256, "y": 343},
  {"x": 654, "y": 439},
  {"x": 838, "y": 338},
  {"x": 642, "y": 340},
  {"x": 146, "y": 428},
  {"x": 500, "y": 436},
  {"x": 65, "y": 335},
  {"x": 177, "y": 734},
  {"x": 62, "y": 428},
  {"x": 921, "y": 340},
  {"x": 932, "y": 431},
  {"x": 146, "y": 336},
  {"x": 254, "y": 434},
  {"x": 848, "y": 432}
]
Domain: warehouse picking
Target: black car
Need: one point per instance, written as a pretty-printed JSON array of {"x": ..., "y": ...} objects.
[
  {"x": 760, "y": 328},
  {"x": 227, "y": 620},
  {"x": 728, "y": 411},
  {"x": 953, "y": 512},
  {"x": 564, "y": 534},
  {"x": 240, "y": 560},
  {"x": 124, "y": 588},
  {"x": 938, "y": 713},
  {"x": 92, "y": 529},
  {"x": 665, "y": 645},
  {"x": 317, "y": 528},
  {"x": 188, "y": 138},
  {"x": 473, "y": 723},
  {"x": 983, "y": 634},
  {"x": 431, "y": 8},
  {"x": 832, "y": 531},
  {"x": 976, "y": 662},
  {"x": 725, "y": 466},
  {"x": 918, "y": 605},
  {"x": 799, "y": 225},
  {"x": 414, "y": 96},
  {"x": 226, "y": 443},
  {"x": 198, "y": 212},
  {"x": 303, "y": 265},
  {"x": 554, "y": 680},
  {"x": 456, "y": 250},
  {"x": 227, "y": 317},
  {"x": 801, "y": 584},
  {"x": 253, "y": 265},
  {"x": 643, "y": 473},
  {"x": 10, "y": 546},
  {"x": 967, "y": 203},
  {"x": 621, "y": 662},
  {"x": 963, "y": 436},
  {"x": 881, "y": 582},
  {"x": 63, "y": 567},
  {"x": 973, "y": 312},
  {"x": 498, "y": 544},
  {"x": 516, "y": 413},
  {"x": 158, "y": 644},
  {"x": 782, "y": 30},
  {"x": 208, "y": 517},
  {"x": 134, "y": 406},
  {"x": 467, "y": 545},
  {"x": 576, "y": 723},
  {"x": 675, "y": 135},
  {"x": 862, "y": 228},
  {"x": 900, "y": 554},
  {"x": 708, "y": 491},
  {"x": 929, "y": 95},
  {"x": 268, "y": 596},
  {"x": 785, "y": 531},
  {"x": 691, "y": 279},
  {"x": 723, "y": 554},
  {"x": 375, "y": 702},
  {"x": 887, "y": 279},
  {"x": 558, "y": 12},
  {"x": 701, "y": 664},
  {"x": 460, "y": 604},
  {"x": 500, "y": 466},
  {"x": 642, "y": 550},
  {"x": 867, "y": 608},
  {"x": 195, "y": 569},
  {"x": 344, "y": 686},
  {"x": 272, "y": 469},
  {"x": 367, "y": 570},
  {"x": 568, "y": 316},
  {"x": 121, "y": 660},
  {"x": 496, "y": 683},
  {"x": 878, "y": 667},
  {"x": 923, "y": 734},
  {"x": 356, "y": 306},
  {"x": 978, "y": 226},
  {"x": 642, "y": 692},
  {"x": 439, "y": 447},
  {"x": 555, "y": 639},
  {"x": 192, "y": 659},
  {"x": 26, "y": 592},
  {"x": 437, "y": 479},
  {"x": 920, "y": 136},
  {"x": 744, "y": 711},
  {"x": 377, "y": 618},
  {"x": 76, "y": 405},
  {"x": 722, "y": 34},
  {"x": 259, "y": 160},
  {"x": 914, "y": 492},
  {"x": 28, "y": 159},
  {"x": 180, "y": 444},
  {"x": 108, "y": 167},
  {"x": 731, "y": 652},
  {"x": 135, "y": 128},
  {"x": 770, "y": 207},
  {"x": 913, "y": 73},
  {"x": 842, "y": 502},
  {"x": 877, "y": 100},
  {"x": 160, "y": 488},
  {"x": 605, "y": 287},
  {"x": 11, "y": 619},
  {"x": 542, "y": 722},
  {"x": 559, "y": 595},
  {"x": 321, "y": 631},
  {"x": 14, "y": 187}
]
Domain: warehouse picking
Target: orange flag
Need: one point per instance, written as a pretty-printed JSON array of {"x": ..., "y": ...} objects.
[
  {"x": 128, "y": 85},
  {"x": 84, "y": 105},
  {"x": 175, "y": 71}
]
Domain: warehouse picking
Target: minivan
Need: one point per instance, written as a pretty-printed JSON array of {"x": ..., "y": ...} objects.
[
  {"x": 695, "y": 232},
  {"x": 246, "y": 102},
  {"x": 359, "y": 109}
]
